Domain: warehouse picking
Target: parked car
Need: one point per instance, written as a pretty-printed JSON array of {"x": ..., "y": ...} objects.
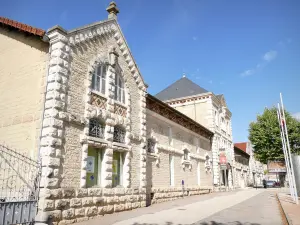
[{"x": 270, "y": 183}]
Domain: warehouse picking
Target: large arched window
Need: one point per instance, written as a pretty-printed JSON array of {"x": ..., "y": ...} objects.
[
  {"x": 119, "y": 87},
  {"x": 99, "y": 77},
  {"x": 96, "y": 128}
]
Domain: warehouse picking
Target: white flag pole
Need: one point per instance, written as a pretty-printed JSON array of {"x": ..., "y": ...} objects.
[
  {"x": 289, "y": 150},
  {"x": 287, "y": 164}
]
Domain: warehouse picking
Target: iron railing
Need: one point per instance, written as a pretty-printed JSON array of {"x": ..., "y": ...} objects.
[{"x": 19, "y": 186}]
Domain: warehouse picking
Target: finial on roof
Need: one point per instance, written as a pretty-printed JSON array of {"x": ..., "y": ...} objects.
[
  {"x": 112, "y": 10},
  {"x": 183, "y": 75}
]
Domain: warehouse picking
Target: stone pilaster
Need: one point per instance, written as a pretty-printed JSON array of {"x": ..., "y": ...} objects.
[
  {"x": 215, "y": 155},
  {"x": 107, "y": 168},
  {"x": 143, "y": 179},
  {"x": 51, "y": 145}
]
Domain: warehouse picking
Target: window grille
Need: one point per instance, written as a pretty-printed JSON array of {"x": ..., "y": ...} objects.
[
  {"x": 96, "y": 128},
  {"x": 119, "y": 134},
  {"x": 151, "y": 145},
  {"x": 99, "y": 77}
]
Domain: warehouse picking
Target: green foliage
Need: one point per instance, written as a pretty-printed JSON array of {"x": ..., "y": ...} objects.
[{"x": 264, "y": 134}]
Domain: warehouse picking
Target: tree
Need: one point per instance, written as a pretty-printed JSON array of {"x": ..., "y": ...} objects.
[{"x": 264, "y": 134}]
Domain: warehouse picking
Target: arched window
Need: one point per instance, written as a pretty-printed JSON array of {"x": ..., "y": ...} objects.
[
  {"x": 99, "y": 77},
  {"x": 119, "y": 134},
  {"x": 119, "y": 87},
  {"x": 151, "y": 145},
  {"x": 96, "y": 128}
]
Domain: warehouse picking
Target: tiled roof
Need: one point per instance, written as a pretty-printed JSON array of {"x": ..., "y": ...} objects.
[
  {"x": 22, "y": 27},
  {"x": 183, "y": 87},
  {"x": 242, "y": 146}
]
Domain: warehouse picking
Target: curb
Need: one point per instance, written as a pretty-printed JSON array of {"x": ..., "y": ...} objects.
[{"x": 287, "y": 218}]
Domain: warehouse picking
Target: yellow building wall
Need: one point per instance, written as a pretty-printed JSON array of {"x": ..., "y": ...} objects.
[{"x": 23, "y": 62}]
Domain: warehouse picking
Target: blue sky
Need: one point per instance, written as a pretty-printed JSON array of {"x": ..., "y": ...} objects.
[{"x": 247, "y": 50}]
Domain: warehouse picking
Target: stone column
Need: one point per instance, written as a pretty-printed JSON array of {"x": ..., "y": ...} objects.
[
  {"x": 51, "y": 144},
  {"x": 106, "y": 175}
]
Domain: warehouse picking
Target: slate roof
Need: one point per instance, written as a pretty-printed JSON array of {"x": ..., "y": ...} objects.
[
  {"x": 22, "y": 27},
  {"x": 181, "y": 88}
]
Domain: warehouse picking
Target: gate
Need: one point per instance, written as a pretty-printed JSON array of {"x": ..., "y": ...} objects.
[{"x": 19, "y": 187}]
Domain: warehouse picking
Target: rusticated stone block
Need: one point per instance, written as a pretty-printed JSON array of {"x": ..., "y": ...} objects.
[
  {"x": 100, "y": 210},
  {"x": 128, "y": 206},
  {"x": 98, "y": 200},
  {"x": 49, "y": 205},
  {"x": 82, "y": 192},
  {"x": 108, "y": 209},
  {"x": 143, "y": 204},
  {"x": 135, "y": 191},
  {"x": 75, "y": 202},
  {"x": 68, "y": 214},
  {"x": 87, "y": 201},
  {"x": 119, "y": 191},
  {"x": 122, "y": 199},
  {"x": 108, "y": 192},
  {"x": 95, "y": 192},
  {"x": 119, "y": 207},
  {"x": 91, "y": 211},
  {"x": 128, "y": 191},
  {"x": 55, "y": 215},
  {"x": 80, "y": 212},
  {"x": 62, "y": 203},
  {"x": 136, "y": 205},
  {"x": 68, "y": 193}
]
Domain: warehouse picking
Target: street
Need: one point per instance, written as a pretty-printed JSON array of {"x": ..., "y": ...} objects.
[{"x": 241, "y": 207}]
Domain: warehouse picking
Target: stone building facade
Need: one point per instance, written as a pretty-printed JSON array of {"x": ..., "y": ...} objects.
[
  {"x": 97, "y": 124},
  {"x": 211, "y": 111},
  {"x": 256, "y": 168},
  {"x": 241, "y": 172}
]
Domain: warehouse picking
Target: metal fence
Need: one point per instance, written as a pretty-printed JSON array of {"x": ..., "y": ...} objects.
[{"x": 19, "y": 187}]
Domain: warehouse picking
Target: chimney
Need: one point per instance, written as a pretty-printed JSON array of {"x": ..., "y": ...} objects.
[{"x": 112, "y": 10}]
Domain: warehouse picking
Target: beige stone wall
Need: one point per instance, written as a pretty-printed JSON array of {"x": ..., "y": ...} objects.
[
  {"x": 23, "y": 63},
  {"x": 158, "y": 168}
]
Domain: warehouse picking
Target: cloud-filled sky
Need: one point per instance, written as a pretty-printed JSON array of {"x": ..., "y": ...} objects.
[{"x": 247, "y": 50}]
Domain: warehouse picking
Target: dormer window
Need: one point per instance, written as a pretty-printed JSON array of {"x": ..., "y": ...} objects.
[
  {"x": 99, "y": 77},
  {"x": 119, "y": 87}
]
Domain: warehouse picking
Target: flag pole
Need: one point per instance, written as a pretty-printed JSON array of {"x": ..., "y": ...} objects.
[
  {"x": 285, "y": 152},
  {"x": 289, "y": 150}
]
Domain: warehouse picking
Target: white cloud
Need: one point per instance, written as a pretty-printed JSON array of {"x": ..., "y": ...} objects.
[
  {"x": 195, "y": 38},
  {"x": 247, "y": 73},
  {"x": 297, "y": 116},
  {"x": 269, "y": 56}
]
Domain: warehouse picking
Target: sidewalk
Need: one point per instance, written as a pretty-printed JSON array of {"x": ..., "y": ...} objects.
[
  {"x": 290, "y": 209},
  {"x": 182, "y": 211}
]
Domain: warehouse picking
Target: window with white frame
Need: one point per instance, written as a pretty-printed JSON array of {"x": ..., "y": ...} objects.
[
  {"x": 119, "y": 87},
  {"x": 151, "y": 145},
  {"x": 119, "y": 134},
  {"x": 99, "y": 78},
  {"x": 96, "y": 128}
]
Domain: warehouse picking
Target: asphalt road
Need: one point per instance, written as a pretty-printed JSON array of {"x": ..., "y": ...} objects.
[{"x": 262, "y": 209}]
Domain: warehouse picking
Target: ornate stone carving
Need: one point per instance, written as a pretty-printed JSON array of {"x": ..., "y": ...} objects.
[
  {"x": 120, "y": 110},
  {"x": 98, "y": 101}
]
